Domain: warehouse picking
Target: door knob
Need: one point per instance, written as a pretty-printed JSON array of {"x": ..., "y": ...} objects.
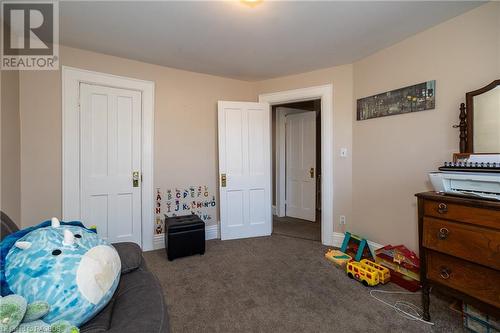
[
  {"x": 311, "y": 172},
  {"x": 135, "y": 179}
]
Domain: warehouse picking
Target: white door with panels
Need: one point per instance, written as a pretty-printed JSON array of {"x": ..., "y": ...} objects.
[
  {"x": 110, "y": 162},
  {"x": 301, "y": 165},
  {"x": 244, "y": 169}
]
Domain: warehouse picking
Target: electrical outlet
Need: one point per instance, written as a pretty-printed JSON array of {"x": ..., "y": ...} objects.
[{"x": 342, "y": 219}]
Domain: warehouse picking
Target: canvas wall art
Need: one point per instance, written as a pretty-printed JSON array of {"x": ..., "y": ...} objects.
[{"x": 419, "y": 97}]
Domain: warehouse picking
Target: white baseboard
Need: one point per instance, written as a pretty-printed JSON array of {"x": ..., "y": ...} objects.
[
  {"x": 159, "y": 242},
  {"x": 211, "y": 232},
  {"x": 338, "y": 238}
]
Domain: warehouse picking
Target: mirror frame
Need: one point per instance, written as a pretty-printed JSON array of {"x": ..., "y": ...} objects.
[{"x": 467, "y": 117}]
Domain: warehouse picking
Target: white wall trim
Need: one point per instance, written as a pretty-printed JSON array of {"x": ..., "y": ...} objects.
[
  {"x": 338, "y": 238},
  {"x": 211, "y": 232},
  {"x": 325, "y": 93},
  {"x": 71, "y": 79},
  {"x": 159, "y": 242},
  {"x": 280, "y": 180}
]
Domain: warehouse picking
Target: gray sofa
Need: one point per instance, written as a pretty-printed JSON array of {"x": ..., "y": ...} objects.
[{"x": 136, "y": 306}]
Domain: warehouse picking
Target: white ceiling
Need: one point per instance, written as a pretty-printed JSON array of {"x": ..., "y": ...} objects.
[{"x": 228, "y": 38}]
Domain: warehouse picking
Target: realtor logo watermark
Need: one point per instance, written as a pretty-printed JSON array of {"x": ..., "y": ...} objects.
[{"x": 30, "y": 35}]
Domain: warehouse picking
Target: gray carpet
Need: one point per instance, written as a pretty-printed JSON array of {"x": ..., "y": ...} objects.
[
  {"x": 292, "y": 227},
  {"x": 277, "y": 284}
]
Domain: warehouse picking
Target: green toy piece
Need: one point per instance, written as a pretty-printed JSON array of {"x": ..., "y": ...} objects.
[
  {"x": 12, "y": 309},
  {"x": 17, "y": 316},
  {"x": 36, "y": 310},
  {"x": 63, "y": 326}
]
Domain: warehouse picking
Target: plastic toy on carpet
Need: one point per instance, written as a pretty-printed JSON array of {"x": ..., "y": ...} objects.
[
  {"x": 383, "y": 273},
  {"x": 357, "y": 247},
  {"x": 403, "y": 264},
  {"x": 339, "y": 258},
  {"x": 364, "y": 273}
]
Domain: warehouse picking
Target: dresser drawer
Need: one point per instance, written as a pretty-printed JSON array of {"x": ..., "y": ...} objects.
[
  {"x": 477, "y": 244},
  {"x": 474, "y": 280},
  {"x": 451, "y": 211}
]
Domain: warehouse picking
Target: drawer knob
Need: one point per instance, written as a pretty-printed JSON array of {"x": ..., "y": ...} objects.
[
  {"x": 443, "y": 233},
  {"x": 442, "y": 208},
  {"x": 445, "y": 273}
]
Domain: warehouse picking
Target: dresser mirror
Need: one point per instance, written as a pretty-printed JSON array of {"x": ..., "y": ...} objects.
[{"x": 480, "y": 120}]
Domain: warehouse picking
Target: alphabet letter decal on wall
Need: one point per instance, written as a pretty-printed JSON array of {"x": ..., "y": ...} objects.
[{"x": 184, "y": 201}]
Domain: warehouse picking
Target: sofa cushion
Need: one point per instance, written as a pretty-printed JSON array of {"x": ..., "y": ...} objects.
[
  {"x": 7, "y": 226},
  {"x": 102, "y": 321},
  {"x": 137, "y": 306},
  {"x": 140, "y": 305},
  {"x": 130, "y": 256}
]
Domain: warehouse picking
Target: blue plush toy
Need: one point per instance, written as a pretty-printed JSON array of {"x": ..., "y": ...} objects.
[{"x": 64, "y": 264}]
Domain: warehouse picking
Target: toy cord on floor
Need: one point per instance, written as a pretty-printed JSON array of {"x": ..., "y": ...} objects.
[{"x": 405, "y": 309}]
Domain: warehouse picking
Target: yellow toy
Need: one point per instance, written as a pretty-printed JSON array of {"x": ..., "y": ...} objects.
[
  {"x": 339, "y": 258},
  {"x": 384, "y": 274},
  {"x": 362, "y": 272}
]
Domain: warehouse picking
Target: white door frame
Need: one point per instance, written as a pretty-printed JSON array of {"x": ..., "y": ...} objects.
[
  {"x": 71, "y": 79},
  {"x": 325, "y": 93}
]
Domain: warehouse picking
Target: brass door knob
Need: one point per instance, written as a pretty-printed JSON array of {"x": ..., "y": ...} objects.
[{"x": 135, "y": 179}]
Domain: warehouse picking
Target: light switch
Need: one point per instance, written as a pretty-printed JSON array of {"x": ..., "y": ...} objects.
[{"x": 343, "y": 152}]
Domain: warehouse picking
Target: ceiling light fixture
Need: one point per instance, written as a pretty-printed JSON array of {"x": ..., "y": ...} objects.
[{"x": 251, "y": 3}]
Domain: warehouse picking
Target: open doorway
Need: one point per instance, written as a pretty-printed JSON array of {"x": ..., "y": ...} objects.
[{"x": 296, "y": 167}]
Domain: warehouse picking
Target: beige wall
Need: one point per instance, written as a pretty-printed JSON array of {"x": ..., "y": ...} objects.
[
  {"x": 388, "y": 158},
  {"x": 392, "y": 155},
  {"x": 185, "y": 126},
  {"x": 10, "y": 142},
  {"x": 341, "y": 78}
]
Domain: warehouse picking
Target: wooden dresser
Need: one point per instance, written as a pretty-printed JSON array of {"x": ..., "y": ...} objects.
[{"x": 460, "y": 249}]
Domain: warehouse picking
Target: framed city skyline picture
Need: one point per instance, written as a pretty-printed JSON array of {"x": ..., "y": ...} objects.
[{"x": 418, "y": 97}]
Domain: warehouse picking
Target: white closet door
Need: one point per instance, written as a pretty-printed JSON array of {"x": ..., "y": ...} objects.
[
  {"x": 301, "y": 165},
  {"x": 110, "y": 138}
]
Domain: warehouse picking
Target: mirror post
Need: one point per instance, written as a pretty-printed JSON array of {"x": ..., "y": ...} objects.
[{"x": 463, "y": 128}]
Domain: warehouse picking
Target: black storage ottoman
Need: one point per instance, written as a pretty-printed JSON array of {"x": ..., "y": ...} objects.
[{"x": 184, "y": 236}]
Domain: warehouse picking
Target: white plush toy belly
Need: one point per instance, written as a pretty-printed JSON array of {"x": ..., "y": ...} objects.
[{"x": 68, "y": 266}]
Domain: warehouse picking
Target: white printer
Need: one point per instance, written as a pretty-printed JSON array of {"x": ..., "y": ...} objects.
[{"x": 479, "y": 176}]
